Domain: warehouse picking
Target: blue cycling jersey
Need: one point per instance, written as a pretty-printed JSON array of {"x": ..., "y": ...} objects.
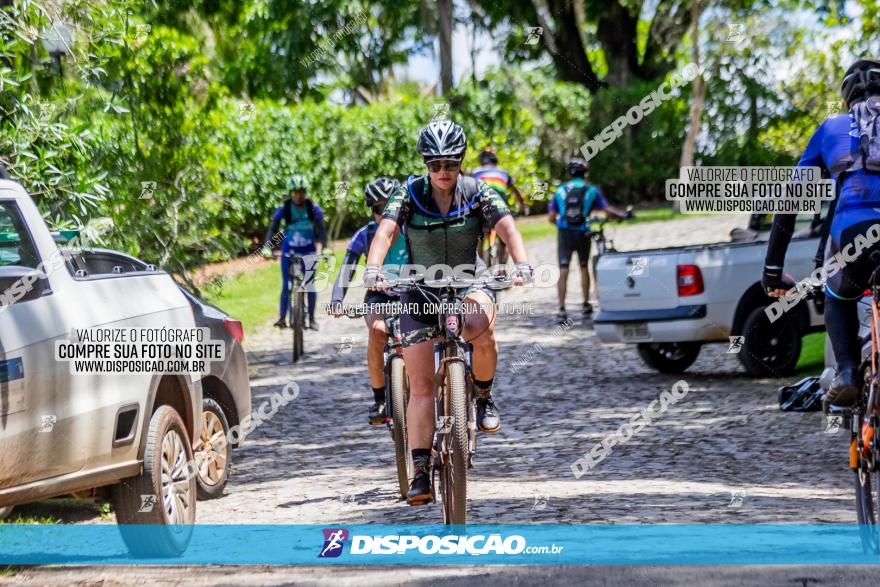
[
  {"x": 835, "y": 140},
  {"x": 593, "y": 200},
  {"x": 299, "y": 234},
  {"x": 363, "y": 238}
]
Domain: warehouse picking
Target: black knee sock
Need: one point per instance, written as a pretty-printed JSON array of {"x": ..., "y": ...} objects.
[
  {"x": 421, "y": 459},
  {"x": 483, "y": 389},
  {"x": 842, "y": 323},
  {"x": 379, "y": 395}
]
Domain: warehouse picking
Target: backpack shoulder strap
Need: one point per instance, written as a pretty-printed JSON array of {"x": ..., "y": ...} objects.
[
  {"x": 371, "y": 232},
  {"x": 288, "y": 213}
]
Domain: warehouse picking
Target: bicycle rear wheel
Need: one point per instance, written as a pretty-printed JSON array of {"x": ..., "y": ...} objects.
[
  {"x": 453, "y": 479},
  {"x": 399, "y": 392},
  {"x": 867, "y": 486},
  {"x": 297, "y": 324}
]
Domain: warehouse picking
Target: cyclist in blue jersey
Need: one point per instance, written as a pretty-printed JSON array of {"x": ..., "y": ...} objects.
[
  {"x": 304, "y": 235},
  {"x": 570, "y": 210},
  {"x": 376, "y": 196},
  {"x": 847, "y": 148}
]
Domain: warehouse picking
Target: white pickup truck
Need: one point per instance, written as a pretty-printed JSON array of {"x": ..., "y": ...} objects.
[
  {"x": 671, "y": 301},
  {"x": 63, "y": 432}
]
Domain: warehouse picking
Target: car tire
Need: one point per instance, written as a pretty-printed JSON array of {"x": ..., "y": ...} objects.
[
  {"x": 213, "y": 462},
  {"x": 669, "y": 357},
  {"x": 156, "y": 509},
  {"x": 770, "y": 349},
  {"x": 5, "y": 511}
]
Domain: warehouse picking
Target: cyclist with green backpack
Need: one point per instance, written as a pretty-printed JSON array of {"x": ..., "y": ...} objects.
[{"x": 570, "y": 211}]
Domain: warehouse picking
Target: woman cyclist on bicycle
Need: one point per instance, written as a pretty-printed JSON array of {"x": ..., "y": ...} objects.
[
  {"x": 444, "y": 214},
  {"x": 847, "y": 147},
  {"x": 376, "y": 195},
  {"x": 304, "y": 236}
]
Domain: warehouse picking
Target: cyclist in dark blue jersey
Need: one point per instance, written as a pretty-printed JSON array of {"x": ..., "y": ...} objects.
[
  {"x": 847, "y": 148},
  {"x": 304, "y": 236},
  {"x": 376, "y": 196}
]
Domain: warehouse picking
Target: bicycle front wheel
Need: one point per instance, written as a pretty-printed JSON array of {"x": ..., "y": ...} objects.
[
  {"x": 454, "y": 474},
  {"x": 297, "y": 324},
  {"x": 399, "y": 389}
]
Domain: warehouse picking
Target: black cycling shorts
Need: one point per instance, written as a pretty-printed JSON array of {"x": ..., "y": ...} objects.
[
  {"x": 573, "y": 241},
  {"x": 419, "y": 323},
  {"x": 851, "y": 281}
]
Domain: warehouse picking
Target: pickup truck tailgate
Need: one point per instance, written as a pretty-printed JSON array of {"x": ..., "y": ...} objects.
[{"x": 637, "y": 281}]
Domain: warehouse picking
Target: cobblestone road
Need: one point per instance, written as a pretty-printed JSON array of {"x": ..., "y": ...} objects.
[{"x": 723, "y": 454}]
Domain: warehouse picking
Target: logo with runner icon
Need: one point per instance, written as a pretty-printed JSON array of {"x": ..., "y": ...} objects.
[
  {"x": 736, "y": 343},
  {"x": 334, "y": 540}
]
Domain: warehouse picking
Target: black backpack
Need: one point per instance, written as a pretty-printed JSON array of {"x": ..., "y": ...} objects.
[{"x": 574, "y": 206}]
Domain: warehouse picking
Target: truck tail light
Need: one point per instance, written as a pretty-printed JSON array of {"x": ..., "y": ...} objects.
[
  {"x": 235, "y": 329},
  {"x": 690, "y": 280}
]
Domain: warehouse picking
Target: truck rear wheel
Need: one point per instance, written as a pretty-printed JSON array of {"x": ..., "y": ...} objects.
[
  {"x": 669, "y": 357},
  {"x": 770, "y": 349}
]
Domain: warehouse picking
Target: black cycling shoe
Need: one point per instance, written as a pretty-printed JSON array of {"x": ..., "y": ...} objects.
[
  {"x": 377, "y": 414},
  {"x": 587, "y": 309},
  {"x": 282, "y": 323},
  {"x": 488, "y": 416},
  {"x": 313, "y": 324},
  {"x": 420, "y": 490},
  {"x": 844, "y": 389}
]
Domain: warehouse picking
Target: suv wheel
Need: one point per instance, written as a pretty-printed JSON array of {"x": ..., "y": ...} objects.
[
  {"x": 770, "y": 349},
  {"x": 213, "y": 452},
  {"x": 163, "y": 496},
  {"x": 669, "y": 357}
]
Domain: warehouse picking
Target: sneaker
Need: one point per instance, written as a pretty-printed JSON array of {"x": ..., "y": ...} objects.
[
  {"x": 844, "y": 389},
  {"x": 420, "y": 490},
  {"x": 377, "y": 414},
  {"x": 313, "y": 324},
  {"x": 562, "y": 317},
  {"x": 488, "y": 416},
  {"x": 587, "y": 309},
  {"x": 282, "y": 323}
]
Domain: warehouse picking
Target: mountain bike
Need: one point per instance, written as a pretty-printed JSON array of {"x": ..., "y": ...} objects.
[
  {"x": 297, "y": 303},
  {"x": 455, "y": 439},
  {"x": 862, "y": 419},
  {"x": 603, "y": 245},
  {"x": 396, "y": 395}
]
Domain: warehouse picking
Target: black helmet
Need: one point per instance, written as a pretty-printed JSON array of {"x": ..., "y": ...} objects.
[
  {"x": 380, "y": 189},
  {"x": 861, "y": 80},
  {"x": 577, "y": 167},
  {"x": 488, "y": 157},
  {"x": 442, "y": 139}
]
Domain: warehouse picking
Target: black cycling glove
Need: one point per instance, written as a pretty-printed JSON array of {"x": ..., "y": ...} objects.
[{"x": 772, "y": 279}]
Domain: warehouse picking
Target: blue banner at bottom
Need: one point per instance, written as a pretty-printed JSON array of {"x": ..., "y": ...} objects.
[{"x": 790, "y": 544}]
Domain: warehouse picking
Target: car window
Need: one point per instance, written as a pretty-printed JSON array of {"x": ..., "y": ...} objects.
[{"x": 16, "y": 246}]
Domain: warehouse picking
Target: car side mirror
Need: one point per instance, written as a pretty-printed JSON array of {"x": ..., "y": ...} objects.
[{"x": 20, "y": 284}]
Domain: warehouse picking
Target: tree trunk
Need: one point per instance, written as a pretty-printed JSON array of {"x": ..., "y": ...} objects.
[
  {"x": 444, "y": 14},
  {"x": 688, "y": 149},
  {"x": 566, "y": 47}
]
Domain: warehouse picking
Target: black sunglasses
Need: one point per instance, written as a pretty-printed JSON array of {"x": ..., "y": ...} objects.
[{"x": 436, "y": 166}]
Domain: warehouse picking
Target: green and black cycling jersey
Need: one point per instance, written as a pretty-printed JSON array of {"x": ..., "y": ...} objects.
[{"x": 445, "y": 239}]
